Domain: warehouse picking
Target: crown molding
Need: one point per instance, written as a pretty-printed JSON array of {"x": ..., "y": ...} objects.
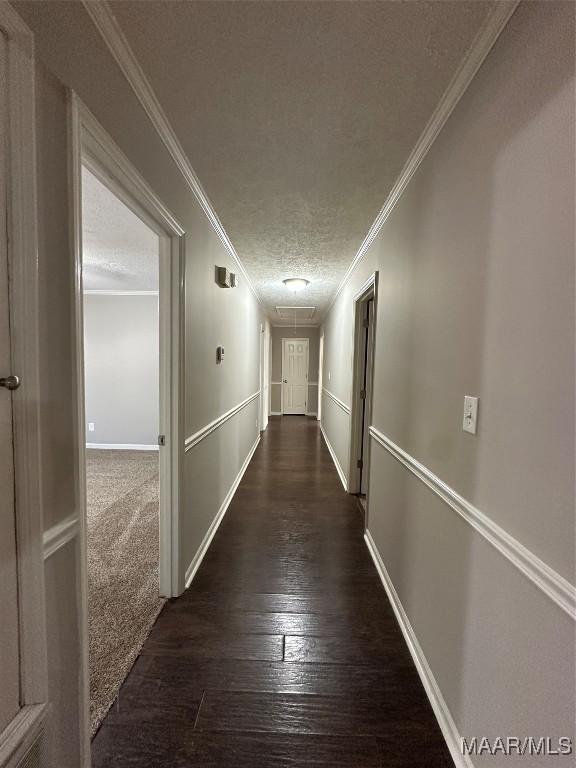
[
  {"x": 112, "y": 34},
  {"x": 478, "y": 51}
]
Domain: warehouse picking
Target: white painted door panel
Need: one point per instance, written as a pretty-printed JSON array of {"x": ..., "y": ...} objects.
[
  {"x": 295, "y": 375},
  {"x": 9, "y": 638}
]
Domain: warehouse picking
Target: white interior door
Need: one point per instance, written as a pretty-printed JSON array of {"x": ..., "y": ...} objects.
[
  {"x": 9, "y": 637},
  {"x": 294, "y": 375}
]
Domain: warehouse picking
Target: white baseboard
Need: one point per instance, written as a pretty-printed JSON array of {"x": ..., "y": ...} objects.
[
  {"x": 203, "y": 548},
  {"x": 275, "y": 413},
  {"x": 312, "y": 413},
  {"x": 122, "y": 446},
  {"x": 443, "y": 715},
  {"x": 339, "y": 469}
]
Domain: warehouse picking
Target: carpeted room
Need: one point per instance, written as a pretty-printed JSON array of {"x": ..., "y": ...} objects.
[{"x": 121, "y": 373}]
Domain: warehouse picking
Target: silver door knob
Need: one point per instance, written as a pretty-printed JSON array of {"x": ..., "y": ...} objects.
[{"x": 10, "y": 382}]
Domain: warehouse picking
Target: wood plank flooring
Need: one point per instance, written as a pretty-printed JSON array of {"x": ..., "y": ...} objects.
[{"x": 285, "y": 650}]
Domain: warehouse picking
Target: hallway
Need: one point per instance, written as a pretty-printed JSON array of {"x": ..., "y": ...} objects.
[{"x": 284, "y": 651}]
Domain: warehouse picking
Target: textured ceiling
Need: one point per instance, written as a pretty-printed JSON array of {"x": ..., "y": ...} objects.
[
  {"x": 119, "y": 251},
  {"x": 298, "y": 116}
]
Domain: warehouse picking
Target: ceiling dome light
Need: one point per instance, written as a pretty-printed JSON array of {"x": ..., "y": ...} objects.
[{"x": 295, "y": 283}]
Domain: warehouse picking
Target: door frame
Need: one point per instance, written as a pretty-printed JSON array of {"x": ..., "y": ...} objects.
[
  {"x": 91, "y": 145},
  {"x": 22, "y": 240},
  {"x": 320, "y": 374},
  {"x": 284, "y": 340},
  {"x": 367, "y": 291}
]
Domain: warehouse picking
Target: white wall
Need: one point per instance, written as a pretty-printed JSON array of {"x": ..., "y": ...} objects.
[
  {"x": 69, "y": 51},
  {"x": 121, "y": 349},
  {"x": 476, "y": 297}
]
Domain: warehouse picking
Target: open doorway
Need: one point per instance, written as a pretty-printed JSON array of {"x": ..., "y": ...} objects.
[
  {"x": 120, "y": 269},
  {"x": 128, "y": 301},
  {"x": 364, "y": 345}
]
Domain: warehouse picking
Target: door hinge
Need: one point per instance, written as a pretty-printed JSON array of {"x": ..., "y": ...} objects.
[
  {"x": 161, "y": 439},
  {"x": 362, "y": 394},
  {"x": 359, "y": 463}
]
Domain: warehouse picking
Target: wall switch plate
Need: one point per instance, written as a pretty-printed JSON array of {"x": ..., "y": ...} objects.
[
  {"x": 470, "y": 414},
  {"x": 90, "y": 426}
]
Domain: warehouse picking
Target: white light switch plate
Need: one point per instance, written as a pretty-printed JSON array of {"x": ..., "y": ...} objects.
[
  {"x": 470, "y": 414},
  {"x": 90, "y": 426}
]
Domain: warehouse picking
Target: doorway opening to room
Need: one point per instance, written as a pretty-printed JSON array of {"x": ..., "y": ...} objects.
[
  {"x": 120, "y": 270},
  {"x": 128, "y": 306},
  {"x": 295, "y": 357},
  {"x": 363, "y": 376}
]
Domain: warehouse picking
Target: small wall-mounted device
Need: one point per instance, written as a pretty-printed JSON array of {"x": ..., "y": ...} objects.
[
  {"x": 219, "y": 355},
  {"x": 90, "y": 426},
  {"x": 226, "y": 279},
  {"x": 470, "y": 418}
]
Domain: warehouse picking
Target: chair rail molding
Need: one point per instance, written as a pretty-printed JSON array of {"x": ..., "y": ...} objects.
[
  {"x": 197, "y": 437},
  {"x": 345, "y": 408},
  {"x": 555, "y": 586},
  {"x": 480, "y": 48},
  {"x": 112, "y": 34},
  {"x": 339, "y": 469},
  {"x": 60, "y": 534}
]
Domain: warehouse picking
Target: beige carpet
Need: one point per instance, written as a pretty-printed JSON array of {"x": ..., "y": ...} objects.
[{"x": 123, "y": 601}]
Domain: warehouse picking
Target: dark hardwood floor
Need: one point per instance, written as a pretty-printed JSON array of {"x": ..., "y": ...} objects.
[{"x": 285, "y": 650}]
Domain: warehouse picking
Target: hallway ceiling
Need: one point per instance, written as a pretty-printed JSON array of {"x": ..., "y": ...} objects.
[{"x": 299, "y": 116}]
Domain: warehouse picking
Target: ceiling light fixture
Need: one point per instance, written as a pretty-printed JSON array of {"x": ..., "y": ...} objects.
[{"x": 295, "y": 283}]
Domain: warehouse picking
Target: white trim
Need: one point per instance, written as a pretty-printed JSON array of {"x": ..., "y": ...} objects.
[
  {"x": 93, "y": 147},
  {"x": 197, "y": 437},
  {"x": 90, "y": 145},
  {"x": 22, "y": 251},
  {"x": 291, "y": 325},
  {"x": 123, "y": 446},
  {"x": 370, "y": 282},
  {"x": 443, "y": 714},
  {"x": 542, "y": 575},
  {"x": 275, "y": 413},
  {"x": 311, "y": 413},
  {"x": 275, "y": 382},
  {"x": 359, "y": 354},
  {"x": 345, "y": 408},
  {"x": 312, "y": 383},
  {"x": 113, "y": 36},
  {"x": 60, "y": 534},
  {"x": 22, "y": 731},
  {"x": 480, "y": 48},
  {"x": 203, "y": 548},
  {"x": 339, "y": 469},
  {"x": 104, "y": 292}
]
